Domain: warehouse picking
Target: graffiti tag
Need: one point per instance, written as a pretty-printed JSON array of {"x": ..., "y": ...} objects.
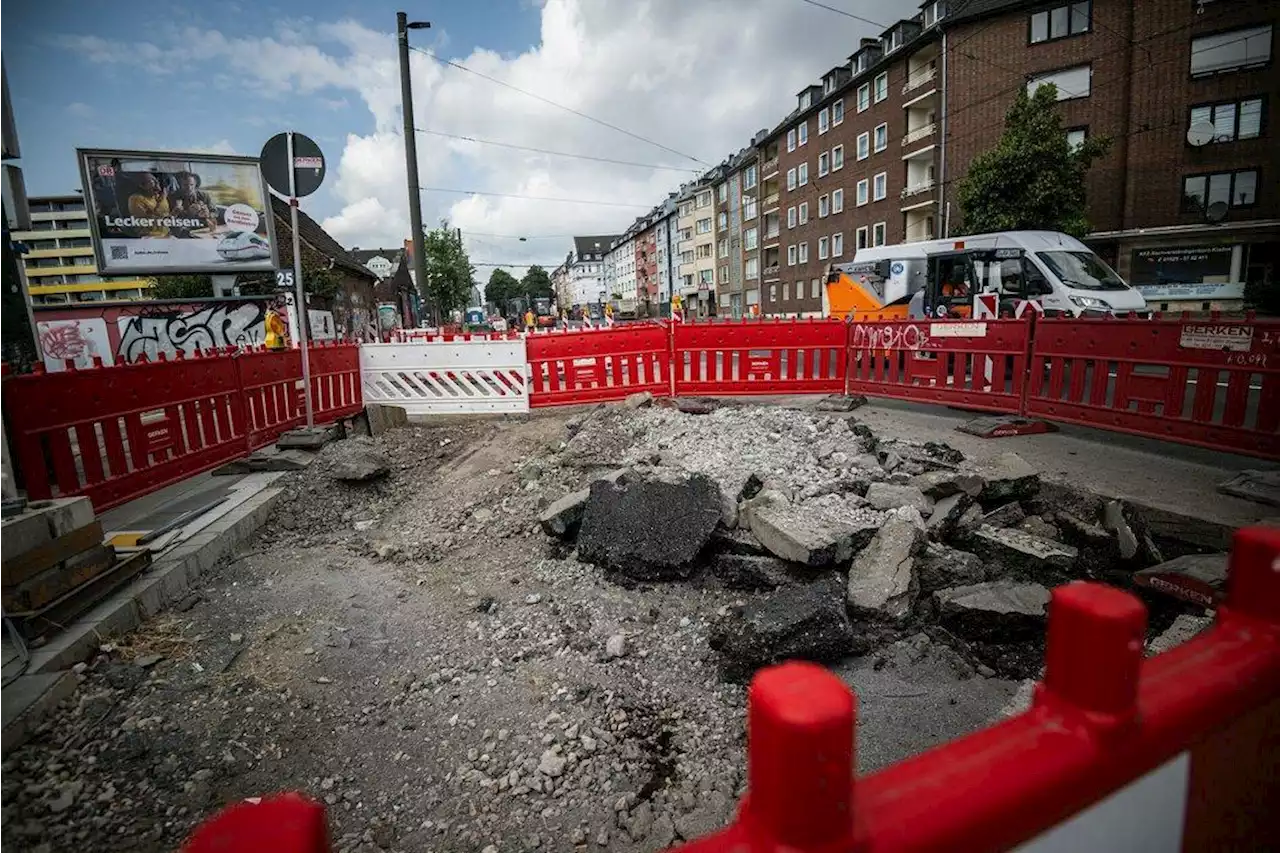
[
  {"x": 78, "y": 340},
  {"x": 189, "y": 331},
  {"x": 889, "y": 337}
]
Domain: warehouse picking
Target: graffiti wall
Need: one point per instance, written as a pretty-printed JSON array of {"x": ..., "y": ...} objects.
[{"x": 127, "y": 332}]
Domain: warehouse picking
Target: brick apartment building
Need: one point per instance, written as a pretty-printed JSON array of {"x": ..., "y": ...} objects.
[
  {"x": 737, "y": 234},
  {"x": 874, "y": 152}
]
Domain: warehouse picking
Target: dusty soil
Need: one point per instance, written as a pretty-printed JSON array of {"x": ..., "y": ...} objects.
[{"x": 417, "y": 654}]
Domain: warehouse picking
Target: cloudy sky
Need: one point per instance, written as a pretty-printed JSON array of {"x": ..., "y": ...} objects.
[{"x": 697, "y": 77}]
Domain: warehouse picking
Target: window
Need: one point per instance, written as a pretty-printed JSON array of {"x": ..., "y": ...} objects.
[
  {"x": 749, "y": 178},
  {"x": 813, "y": 288},
  {"x": 1069, "y": 19},
  {"x": 706, "y": 277},
  {"x": 704, "y": 251},
  {"x": 864, "y": 96},
  {"x": 837, "y": 245},
  {"x": 864, "y": 146},
  {"x": 824, "y": 206},
  {"x": 882, "y": 86},
  {"x": 1231, "y": 120},
  {"x": 723, "y": 276},
  {"x": 704, "y": 199},
  {"x": 791, "y": 139},
  {"x": 791, "y": 179},
  {"x": 1076, "y": 137},
  {"x": 748, "y": 207},
  {"x": 824, "y": 120},
  {"x": 686, "y": 209},
  {"x": 877, "y": 234},
  {"x": 837, "y": 200},
  {"x": 837, "y": 112},
  {"x": 824, "y": 248},
  {"x": 791, "y": 255},
  {"x": 773, "y": 293},
  {"x": 837, "y": 158},
  {"x": 824, "y": 164},
  {"x": 1231, "y": 51},
  {"x": 1236, "y": 189},
  {"x": 704, "y": 225},
  {"x": 882, "y": 136},
  {"x": 803, "y": 130},
  {"x": 880, "y": 185},
  {"x": 860, "y": 238},
  {"x": 862, "y": 192},
  {"x": 751, "y": 269},
  {"x": 786, "y": 291},
  {"x": 722, "y": 192},
  {"x": 686, "y": 257},
  {"x": 750, "y": 239},
  {"x": 803, "y": 253},
  {"x": 791, "y": 217},
  {"x": 722, "y": 248},
  {"x": 802, "y": 172},
  {"x": 722, "y": 221},
  {"x": 1071, "y": 82},
  {"x": 804, "y": 212}
]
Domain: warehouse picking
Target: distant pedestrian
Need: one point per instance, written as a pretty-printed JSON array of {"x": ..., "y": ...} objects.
[{"x": 529, "y": 321}]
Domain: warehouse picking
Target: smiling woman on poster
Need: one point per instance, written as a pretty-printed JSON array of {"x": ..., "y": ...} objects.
[{"x": 158, "y": 213}]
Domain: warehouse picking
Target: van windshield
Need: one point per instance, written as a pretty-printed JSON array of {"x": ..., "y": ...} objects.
[{"x": 1083, "y": 270}]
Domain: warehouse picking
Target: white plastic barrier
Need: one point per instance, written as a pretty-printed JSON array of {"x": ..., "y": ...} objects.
[{"x": 434, "y": 378}]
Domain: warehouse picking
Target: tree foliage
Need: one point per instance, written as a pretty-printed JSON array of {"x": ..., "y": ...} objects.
[
  {"x": 502, "y": 288},
  {"x": 448, "y": 269},
  {"x": 181, "y": 286},
  {"x": 537, "y": 283},
  {"x": 1031, "y": 179}
]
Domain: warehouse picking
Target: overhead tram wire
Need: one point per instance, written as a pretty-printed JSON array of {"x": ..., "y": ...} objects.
[
  {"x": 556, "y": 153},
  {"x": 558, "y": 105},
  {"x": 536, "y": 198}
]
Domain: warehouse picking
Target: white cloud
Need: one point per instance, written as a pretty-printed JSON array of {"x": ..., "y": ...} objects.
[
  {"x": 222, "y": 146},
  {"x": 79, "y": 109},
  {"x": 700, "y": 78}
]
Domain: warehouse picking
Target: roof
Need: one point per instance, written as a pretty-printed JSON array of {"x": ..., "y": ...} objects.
[
  {"x": 366, "y": 255},
  {"x": 596, "y": 245},
  {"x": 310, "y": 232},
  {"x": 398, "y": 282},
  {"x": 968, "y": 10}
]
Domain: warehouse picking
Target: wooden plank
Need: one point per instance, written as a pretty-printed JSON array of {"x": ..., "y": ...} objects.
[
  {"x": 71, "y": 606},
  {"x": 52, "y": 583},
  {"x": 18, "y": 569}
]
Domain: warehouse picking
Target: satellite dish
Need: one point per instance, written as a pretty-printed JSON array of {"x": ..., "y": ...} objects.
[
  {"x": 1216, "y": 212},
  {"x": 1201, "y": 133}
]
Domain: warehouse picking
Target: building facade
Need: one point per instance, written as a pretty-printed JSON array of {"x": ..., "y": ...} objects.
[
  {"x": 59, "y": 262},
  {"x": 580, "y": 281},
  {"x": 381, "y": 262}
]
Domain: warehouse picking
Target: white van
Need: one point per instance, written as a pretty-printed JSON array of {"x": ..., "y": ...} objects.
[{"x": 1055, "y": 270}]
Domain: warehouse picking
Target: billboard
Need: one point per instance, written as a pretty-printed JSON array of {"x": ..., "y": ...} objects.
[{"x": 154, "y": 213}]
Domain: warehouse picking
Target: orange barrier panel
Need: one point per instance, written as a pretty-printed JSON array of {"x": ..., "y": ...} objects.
[
  {"x": 746, "y": 357},
  {"x": 597, "y": 365},
  {"x": 977, "y": 364},
  {"x": 1211, "y": 383}
]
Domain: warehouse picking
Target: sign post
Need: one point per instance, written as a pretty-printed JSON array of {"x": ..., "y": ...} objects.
[{"x": 284, "y": 155}]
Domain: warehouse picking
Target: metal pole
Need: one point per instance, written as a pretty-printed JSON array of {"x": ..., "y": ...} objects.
[
  {"x": 411, "y": 155},
  {"x": 299, "y": 295}
]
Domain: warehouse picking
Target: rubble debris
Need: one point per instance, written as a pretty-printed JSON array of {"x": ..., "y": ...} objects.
[
  {"x": 381, "y": 417},
  {"x": 887, "y": 496},
  {"x": 647, "y": 528},
  {"x": 306, "y": 438},
  {"x": 737, "y": 540},
  {"x": 1254, "y": 485},
  {"x": 841, "y": 403},
  {"x": 1037, "y": 526},
  {"x": 270, "y": 459},
  {"x": 615, "y": 647},
  {"x": 946, "y": 515},
  {"x": 943, "y": 484},
  {"x": 360, "y": 464},
  {"x": 692, "y": 405},
  {"x": 1008, "y": 515},
  {"x": 940, "y": 566},
  {"x": 1185, "y": 627},
  {"x": 1023, "y": 555},
  {"x": 806, "y": 621},
  {"x": 882, "y": 580},
  {"x": 1198, "y": 578},
  {"x": 1009, "y": 478},
  {"x": 825, "y": 531},
  {"x": 1001, "y": 610},
  {"x": 638, "y": 401},
  {"x": 562, "y": 517},
  {"x": 1113, "y": 520},
  {"x": 750, "y": 572}
]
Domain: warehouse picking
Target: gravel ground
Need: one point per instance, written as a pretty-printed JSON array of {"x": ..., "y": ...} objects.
[{"x": 418, "y": 655}]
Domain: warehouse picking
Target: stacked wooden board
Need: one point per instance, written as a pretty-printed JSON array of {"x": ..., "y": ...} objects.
[{"x": 55, "y": 565}]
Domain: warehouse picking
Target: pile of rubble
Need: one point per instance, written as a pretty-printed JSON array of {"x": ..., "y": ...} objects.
[{"x": 860, "y": 540}]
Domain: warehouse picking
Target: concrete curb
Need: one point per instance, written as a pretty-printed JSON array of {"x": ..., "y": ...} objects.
[{"x": 48, "y": 680}]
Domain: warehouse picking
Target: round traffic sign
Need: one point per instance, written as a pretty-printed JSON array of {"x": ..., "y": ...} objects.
[{"x": 308, "y": 164}]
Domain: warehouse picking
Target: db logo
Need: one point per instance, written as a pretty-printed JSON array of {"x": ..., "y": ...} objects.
[
  {"x": 897, "y": 267},
  {"x": 106, "y": 172}
]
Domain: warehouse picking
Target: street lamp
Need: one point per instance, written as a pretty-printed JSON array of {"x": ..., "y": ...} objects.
[{"x": 403, "y": 25}]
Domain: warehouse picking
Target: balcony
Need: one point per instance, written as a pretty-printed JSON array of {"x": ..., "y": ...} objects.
[
  {"x": 771, "y": 234},
  {"x": 922, "y": 132},
  {"x": 919, "y": 78},
  {"x": 771, "y": 271},
  {"x": 771, "y": 200},
  {"x": 917, "y": 188},
  {"x": 769, "y": 168}
]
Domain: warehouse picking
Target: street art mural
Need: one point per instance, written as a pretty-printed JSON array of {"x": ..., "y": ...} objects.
[
  {"x": 170, "y": 332},
  {"x": 78, "y": 340}
]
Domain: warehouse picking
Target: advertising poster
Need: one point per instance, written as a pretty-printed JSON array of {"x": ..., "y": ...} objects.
[{"x": 158, "y": 213}]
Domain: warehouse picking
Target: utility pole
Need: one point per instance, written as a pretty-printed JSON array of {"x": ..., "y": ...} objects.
[{"x": 403, "y": 25}]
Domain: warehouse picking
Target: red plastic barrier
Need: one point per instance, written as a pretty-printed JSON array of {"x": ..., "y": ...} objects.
[
  {"x": 975, "y": 364},
  {"x": 272, "y": 388},
  {"x": 596, "y": 365},
  {"x": 744, "y": 357},
  {"x": 335, "y": 381},
  {"x": 114, "y": 433},
  {"x": 1211, "y": 383}
]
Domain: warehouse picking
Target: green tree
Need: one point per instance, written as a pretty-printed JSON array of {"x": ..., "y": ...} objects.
[
  {"x": 181, "y": 287},
  {"x": 1031, "y": 179},
  {"x": 536, "y": 283},
  {"x": 448, "y": 270},
  {"x": 502, "y": 288}
]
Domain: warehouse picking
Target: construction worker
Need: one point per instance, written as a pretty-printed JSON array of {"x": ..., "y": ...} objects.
[
  {"x": 608, "y": 314},
  {"x": 529, "y": 320},
  {"x": 677, "y": 308},
  {"x": 276, "y": 331}
]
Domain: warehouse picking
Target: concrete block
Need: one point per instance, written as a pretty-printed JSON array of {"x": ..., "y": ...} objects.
[
  {"x": 307, "y": 438},
  {"x": 43, "y": 522},
  {"x": 381, "y": 417}
]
